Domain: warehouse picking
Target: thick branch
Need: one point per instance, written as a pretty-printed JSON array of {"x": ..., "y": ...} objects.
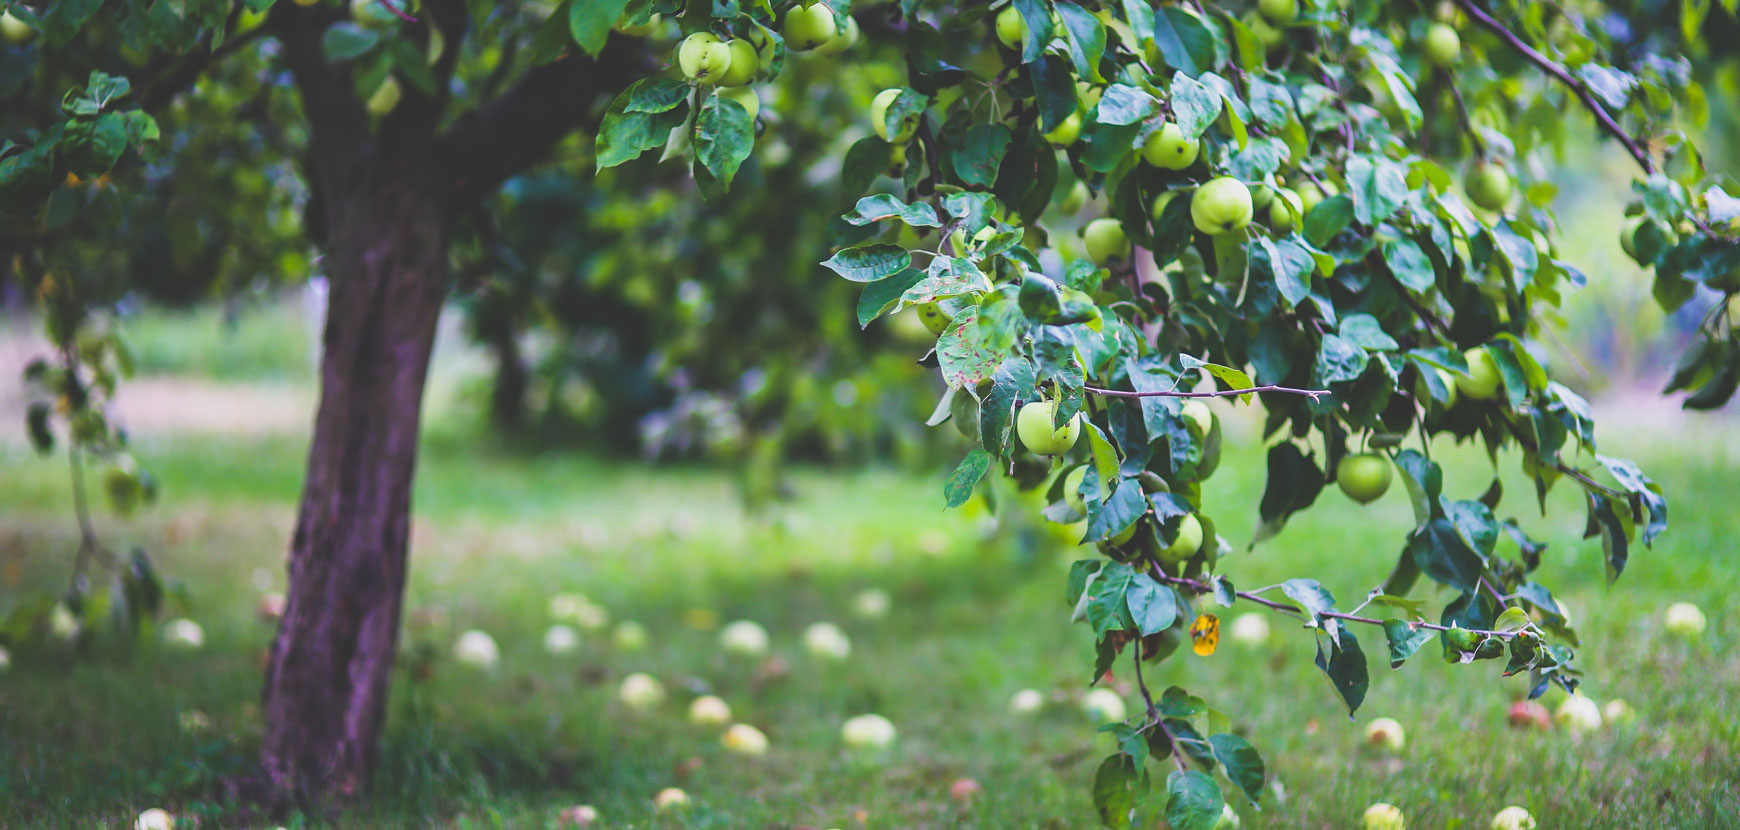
[
  {"x": 161, "y": 90},
  {"x": 1313, "y": 394},
  {"x": 335, "y": 114},
  {"x": 513, "y": 132},
  {"x": 1552, "y": 68}
]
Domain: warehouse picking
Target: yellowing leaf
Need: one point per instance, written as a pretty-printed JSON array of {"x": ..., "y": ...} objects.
[{"x": 1205, "y": 634}]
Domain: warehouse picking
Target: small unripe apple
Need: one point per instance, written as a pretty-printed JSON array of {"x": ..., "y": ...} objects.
[
  {"x": 1200, "y": 418},
  {"x": 1034, "y": 427},
  {"x": 1074, "y": 199},
  {"x": 1578, "y": 715},
  {"x": 1617, "y": 711},
  {"x": 1381, "y": 816},
  {"x": 745, "y": 98},
  {"x": 155, "y": 818},
  {"x": 629, "y": 636},
  {"x": 1272, "y": 37},
  {"x": 1385, "y": 734},
  {"x": 935, "y": 321},
  {"x": 1363, "y": 476},
  {"x": 580, "y": 815},
  {"x": 184, "y": 635},
  {"x": 1157, "y": 208},
  {"x": 1188, "y": 541},
  {"x": 826, "y": 641},
  {"x": 1072, "y": 489},
  {"x": 1483, "y": 380},
  {"x": 560, "y": 639},
  {"x": 1223, "y": 205},
  {"x": 1229, "y": 820},
  {"x": 1445, "y": 379},
  {"x": 1011, "y": 28},
  {"x": 670, "y": 799},
  {"x": 709, "y": 710},
  {"x": 743, "y": 739},
  {"x": 868, "y": 732},
  {"x": 386, "y": 97},
  {"x": 1684, "y": 619},
  {"x": 840, "y": 42},
  {"x": 1249, "y": 629},
  {"x": 741, "y": 67},
  {"x": 650, "y": 27},
  {"x": 871, "y": 604},
  {"x": 1488, "y": 185},
  {"x": 1066, "y": 131},
  {"x": 1529, "y": 714},
  {"x": 476, "y": 649},
  {"x": 15, "y": 31},
  {"x": 704, "y": 58},
  {"x": 1088, "y": 95},
  {"x": 1103, "y": 705},
  {"x": 879, "y": 118},
  {"x": 1513, "y": 818},
  {"x": 641, "y": 691},
  {"x": 807, "y": 27},
  {"x": 1285, "y": 210},
  {"x": 743, "y": 638},
  {"x": 1443, "y": 46},
  {"x": 1105, "y": 240},
  {"x": 1168, "y": 148},
  {"x": 1027, "y": 702}
]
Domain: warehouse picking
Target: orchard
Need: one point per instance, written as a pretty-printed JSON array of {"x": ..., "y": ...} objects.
[{"x": 1112, "y": 224}]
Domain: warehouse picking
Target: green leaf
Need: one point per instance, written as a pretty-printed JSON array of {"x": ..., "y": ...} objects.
[
  {"x": 1153, "y": 606},
  {"x": 1179, "y": 36},
  {"x": 1194, "y": 105},
  {"x": 1125, "y": 505},
  {"x": 1409, "y": 263},
  {"x": 1404, "y": 640},
  {"x": 724, "y": 136},
  {"x": 1442, "y": 554},
  {"x": 655, "y": 95},
  {"x": 1104, "y": 605},
  {"x": 977, "y": 159},
  {"x": 1378, "y": 188},
  {"x": 1424, "y": 480},
  {"x": 1087, "y": 40},
  {"x": 1327, "y": 219},
  {"x": 868, "y": 263},
  {"x": 1345, "y": 665},
  {"x": 1338, "y": 360},
  {"x": 625, "y": 135},
  {"x": 867, "y": 159},
  {"x": 881, "y": 295},
  {"x": 1115, "y": 789},
  {"x": 947, "y": 277},
  {"x": 1013, "y": 381},
  {"x": 1244, "y": 767},
  {"x": 344, "y": 41},
  {"x": 589, "y": 22},
  {"x": 1293, "y": 484},
  {"x": 1513, "y": 619},
  {"x": 1193, "y": 801},
  {"x": 961, "y": 482},
  {"x": 964, "y": 356},
  {"x": 888, "y": 206},
  {"x": 1363, "y": 330},
  {"x": 1037, "y": 16},
  {"x": 1123, "y": 104}
]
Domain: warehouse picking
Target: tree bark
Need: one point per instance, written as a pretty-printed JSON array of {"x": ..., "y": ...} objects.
[{"x": 327, "y": 676}]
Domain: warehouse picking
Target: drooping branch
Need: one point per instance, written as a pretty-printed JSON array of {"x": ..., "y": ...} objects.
[
  {"x": 1200, "y": 588},
  {"x": 1562, "y": 75},
  {"x": 1313, "y": 394},
  {"x": 518, "y": 129}
]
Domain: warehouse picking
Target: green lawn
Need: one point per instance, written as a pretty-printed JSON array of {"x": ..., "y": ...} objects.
[{"x": 89, "y": 742}]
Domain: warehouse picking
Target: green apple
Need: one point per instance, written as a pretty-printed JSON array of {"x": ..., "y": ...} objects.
[
  {"x": 1363, "y": 476},
  {"x": 1578, "y": 714},
  {"x": 155, "y": 818},
  {"x": 1168, "y": 148},
  {"x": 1483, "y": 381},
  {"x": 807, "y": 27},
  {"x": 1200, "y": 418},
  {"x": 1279, "y": 12},
  {"x": 1027, "y": 702},
  {"x": 1381, "y": 816},
  {"x": 1088, "y": 95},
  {"x": 1312, "y": 194},
  {"x": 741, "y": 68},
  {"x": 1103, "y": 705},
  {"x": 1105, "y": 240},
  {"x": 385, "y": 97},
  {"x": 1616, "y": 712},
  {"x": 709, "y": 710},
  {"x": 1249, "y": 629},
  {"x": 1285, "y": 210},
  {"x": 868, "y": 732},
  {"x": 650, "y": 27},
  {"x": 1074, "y": 199},
  {"x": 745, "y": 97},
  {"x": 1223, "y": 205},
  {"x": 1072, "y": 489},
  {"x": 1273, "y": 38},
  {"x": 840, "y": 42},
  {"x": 1684, "y": 619},
  {"x": 1066, "y": 132},
  {"x": 826, "y": 641},
  {"x": 704, "y": 58},
  {"x": 743, "y": 739},
  {"x": 743, "y": 638},
  {"x": 1385, "y": 734},
  {"x": 879, "y": 118},
  {"x": 1443, "y": 46},
  {"x": 934, "y": 319},
  {"x": 1513, "y": 818},
  {"x": 1262, "y": 196},
  {"x": 670, "y": 799},
  {"x": 15, "y": 31},
  {"x": 641, "y": 691},
  {"x": 1488, "y": 185},
  {"x": 1161, "y": 200},
  {"x": 1033, "y": 426},
  {"x": 1011, "y": 28},
  {"x": 1188, "y": 541},
  {"x": 1449, "y": 383}
]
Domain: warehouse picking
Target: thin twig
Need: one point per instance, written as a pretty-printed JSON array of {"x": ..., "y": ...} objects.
[
  {"x": 1563, "y": 76},
  {"x": 1462, "y": 114},
  {"x": 1313, "y": 394},
  {"x": 1200, "y": 588},
  {"x": 397, "y": 12}
]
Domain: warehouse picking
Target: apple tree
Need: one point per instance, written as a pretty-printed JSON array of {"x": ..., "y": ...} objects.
[{"x": 1336, "y": 211}]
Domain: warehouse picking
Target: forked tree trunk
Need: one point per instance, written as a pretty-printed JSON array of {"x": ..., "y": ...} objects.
[{"x": 327, "y": 677}]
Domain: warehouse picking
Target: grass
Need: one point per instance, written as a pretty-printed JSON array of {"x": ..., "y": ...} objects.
[{"x": 89, "y": 742}]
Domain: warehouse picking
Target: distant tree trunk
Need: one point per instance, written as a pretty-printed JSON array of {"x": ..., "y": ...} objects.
[
  {"x": 507, "y": 399},
  {"x": 327, "y": 676}
]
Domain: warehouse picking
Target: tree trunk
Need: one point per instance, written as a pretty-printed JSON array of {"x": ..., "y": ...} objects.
[{"x": 327, "y": 675}]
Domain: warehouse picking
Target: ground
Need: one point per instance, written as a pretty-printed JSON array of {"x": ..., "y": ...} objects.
[{"x": 92, "y": 740}]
